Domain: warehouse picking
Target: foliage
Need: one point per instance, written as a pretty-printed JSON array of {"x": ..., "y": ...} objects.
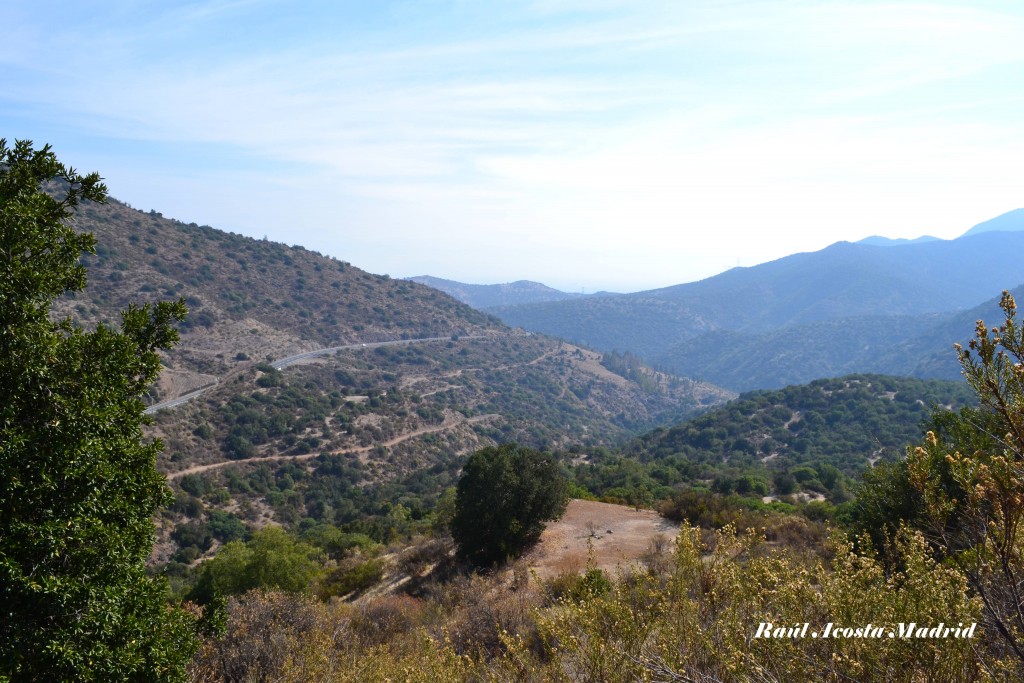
[
  {"x": 699, "y": 621},
  {"x": 271, "y": 559},
  {"x": 503, "y": 499},
  {"x": 352, "y": 578},
  {"x": 886, "y": 498},
  {"x": 632, "y": 368},
  {"x": 813, "y": 438},
  {"x": 691, "y": 617},
  {"x": 78, "y": 487},
  {"x": 982, "y": 528}
]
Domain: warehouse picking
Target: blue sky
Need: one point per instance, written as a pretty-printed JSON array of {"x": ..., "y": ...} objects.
[{"x": 589, "y": 145}]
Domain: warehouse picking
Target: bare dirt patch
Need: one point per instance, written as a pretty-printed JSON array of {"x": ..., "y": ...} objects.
[
  {"x": 174, "y": 383},
  {"x": 618, "y": 535}
]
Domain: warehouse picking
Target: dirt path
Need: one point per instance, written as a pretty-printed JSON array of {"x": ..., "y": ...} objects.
[{"x": 451, "y": 421}]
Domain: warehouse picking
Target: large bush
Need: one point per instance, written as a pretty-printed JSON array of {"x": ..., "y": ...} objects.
[{"x": 502, "y": 501}]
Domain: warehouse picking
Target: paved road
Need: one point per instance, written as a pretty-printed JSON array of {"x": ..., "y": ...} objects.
[
  {"x": 291, "y": 360},
  {"x": 299, "y": 357},
  {"x": 178, "y": 401}
]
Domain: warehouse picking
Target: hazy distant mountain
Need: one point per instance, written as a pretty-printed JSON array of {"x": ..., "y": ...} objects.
[
  {"x": 918, "y": 346},
  {"x": 1011, "y": 221},
  {"x": 841, "y": 281},
  {"x": 508, "y": 294},
  {"x": 880, "y": 241},
  {"x": 843, "y": 309}
]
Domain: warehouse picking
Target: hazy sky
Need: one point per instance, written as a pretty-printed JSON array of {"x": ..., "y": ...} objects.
[{"x": 589, "y": 144}]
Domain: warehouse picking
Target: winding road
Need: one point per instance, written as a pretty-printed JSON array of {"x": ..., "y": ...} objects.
[
  {"x": 451, "y": 420},
  {"x": 282, "y": 363}
]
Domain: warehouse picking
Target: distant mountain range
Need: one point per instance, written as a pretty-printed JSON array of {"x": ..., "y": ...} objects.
[
  {"x": 1011, "y": 221},
  {"x": 851, "y": 307},
  {"x": 919, "y": 346},
  {"x": 879, "y": 241},
  {"x": 508, "y": 294}
]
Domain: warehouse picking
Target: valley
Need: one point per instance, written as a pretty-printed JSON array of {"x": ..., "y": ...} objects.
[
  {"x": 317, "y": 426},
  {"x": 883, "y": 307}
]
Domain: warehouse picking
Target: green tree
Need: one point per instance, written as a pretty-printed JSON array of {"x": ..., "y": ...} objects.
[
  {"x": 503, "y": 499},
  {"x": 272, "y": 559},
  {"x": 78, "y": 485},
  {"x": 886, "y": 499}
]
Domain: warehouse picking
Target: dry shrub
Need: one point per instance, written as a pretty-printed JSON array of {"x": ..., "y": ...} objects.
[
  {"x": 288, "y": 638},
  {"x": 354, "y": 574},
  {"x": 575, "y": 587},
  {"x": 384, "y": 619},
  {"x": 264, "y": 631},
  {"x": 481, "y": 615},
  {"x": 568, "y": 564},
  {"x": 423, "y": 556},
  {"x": 699, "y": 625},
  {"x": 657, "y": 559},
  {"x": 560, "y": 587},
  {"x": 804, "y": 537}
]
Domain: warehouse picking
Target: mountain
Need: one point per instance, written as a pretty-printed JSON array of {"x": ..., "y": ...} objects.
[
  {"x": 878, "y": 241},
  {"x": 851, "y": 282},
  {"x": 919, "y": 346},
  {"x": 1011, "y": 221},
  {"x": 411, "y": 380},
  {"x": 248, "y": 297},
  {"x": 508, "y": 294}
]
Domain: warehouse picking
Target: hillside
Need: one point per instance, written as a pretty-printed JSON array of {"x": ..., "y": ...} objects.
[
  {"x": 879, "y": 241},
  {"x": 248, "y": 297},
  {"x": 506, "y": 294},
  {"x": 421, "y": 380},
  {"x": 807, "y": 437},
  {"x": 1008, "y": 222},
  {"x": 918, "y": 346}
]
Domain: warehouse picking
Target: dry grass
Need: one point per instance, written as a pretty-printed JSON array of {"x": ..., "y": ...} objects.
[{"x": 600, "y": 535}]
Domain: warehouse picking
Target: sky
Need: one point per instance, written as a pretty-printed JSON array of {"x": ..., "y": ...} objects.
[{"x": 587, "y": 144}]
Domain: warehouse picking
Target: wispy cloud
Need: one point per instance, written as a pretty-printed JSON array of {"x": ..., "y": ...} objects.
[{"x": 578, "y": 120}]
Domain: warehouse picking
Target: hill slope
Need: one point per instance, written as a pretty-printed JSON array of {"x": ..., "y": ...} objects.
[
  {"x": 507, "y": 294},
  {"x": 802, "y": 437},
  {"x": 344, "y": 436},
  {"x": 840, "y": 281},
  {"x": 1009, "y": 221},
  {"x": 919, "y": 346},
  {"x": 248, "y": 296}
]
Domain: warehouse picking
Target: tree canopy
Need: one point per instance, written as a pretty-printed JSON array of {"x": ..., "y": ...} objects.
[
  {"x": 504, "y": 497},
  {"x": 78, "y": 483}
]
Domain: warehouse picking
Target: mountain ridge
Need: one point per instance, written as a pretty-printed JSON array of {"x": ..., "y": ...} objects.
[
  {"x": 483, "y": 297},
  {"x": 844, "y": 280}
]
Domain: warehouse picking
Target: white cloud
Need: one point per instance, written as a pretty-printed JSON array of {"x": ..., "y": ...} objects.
[{"x": 702, "y": 132}]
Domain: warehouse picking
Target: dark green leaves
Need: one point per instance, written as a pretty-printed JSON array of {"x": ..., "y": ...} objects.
[
  {"x": 78, "y": 485},
  {"x": 503, "y": 499}
]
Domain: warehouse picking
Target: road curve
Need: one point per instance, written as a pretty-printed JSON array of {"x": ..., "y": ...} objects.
[
  {"x": 291, "y": 360},
  {"x": 282, "y": 363}
]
